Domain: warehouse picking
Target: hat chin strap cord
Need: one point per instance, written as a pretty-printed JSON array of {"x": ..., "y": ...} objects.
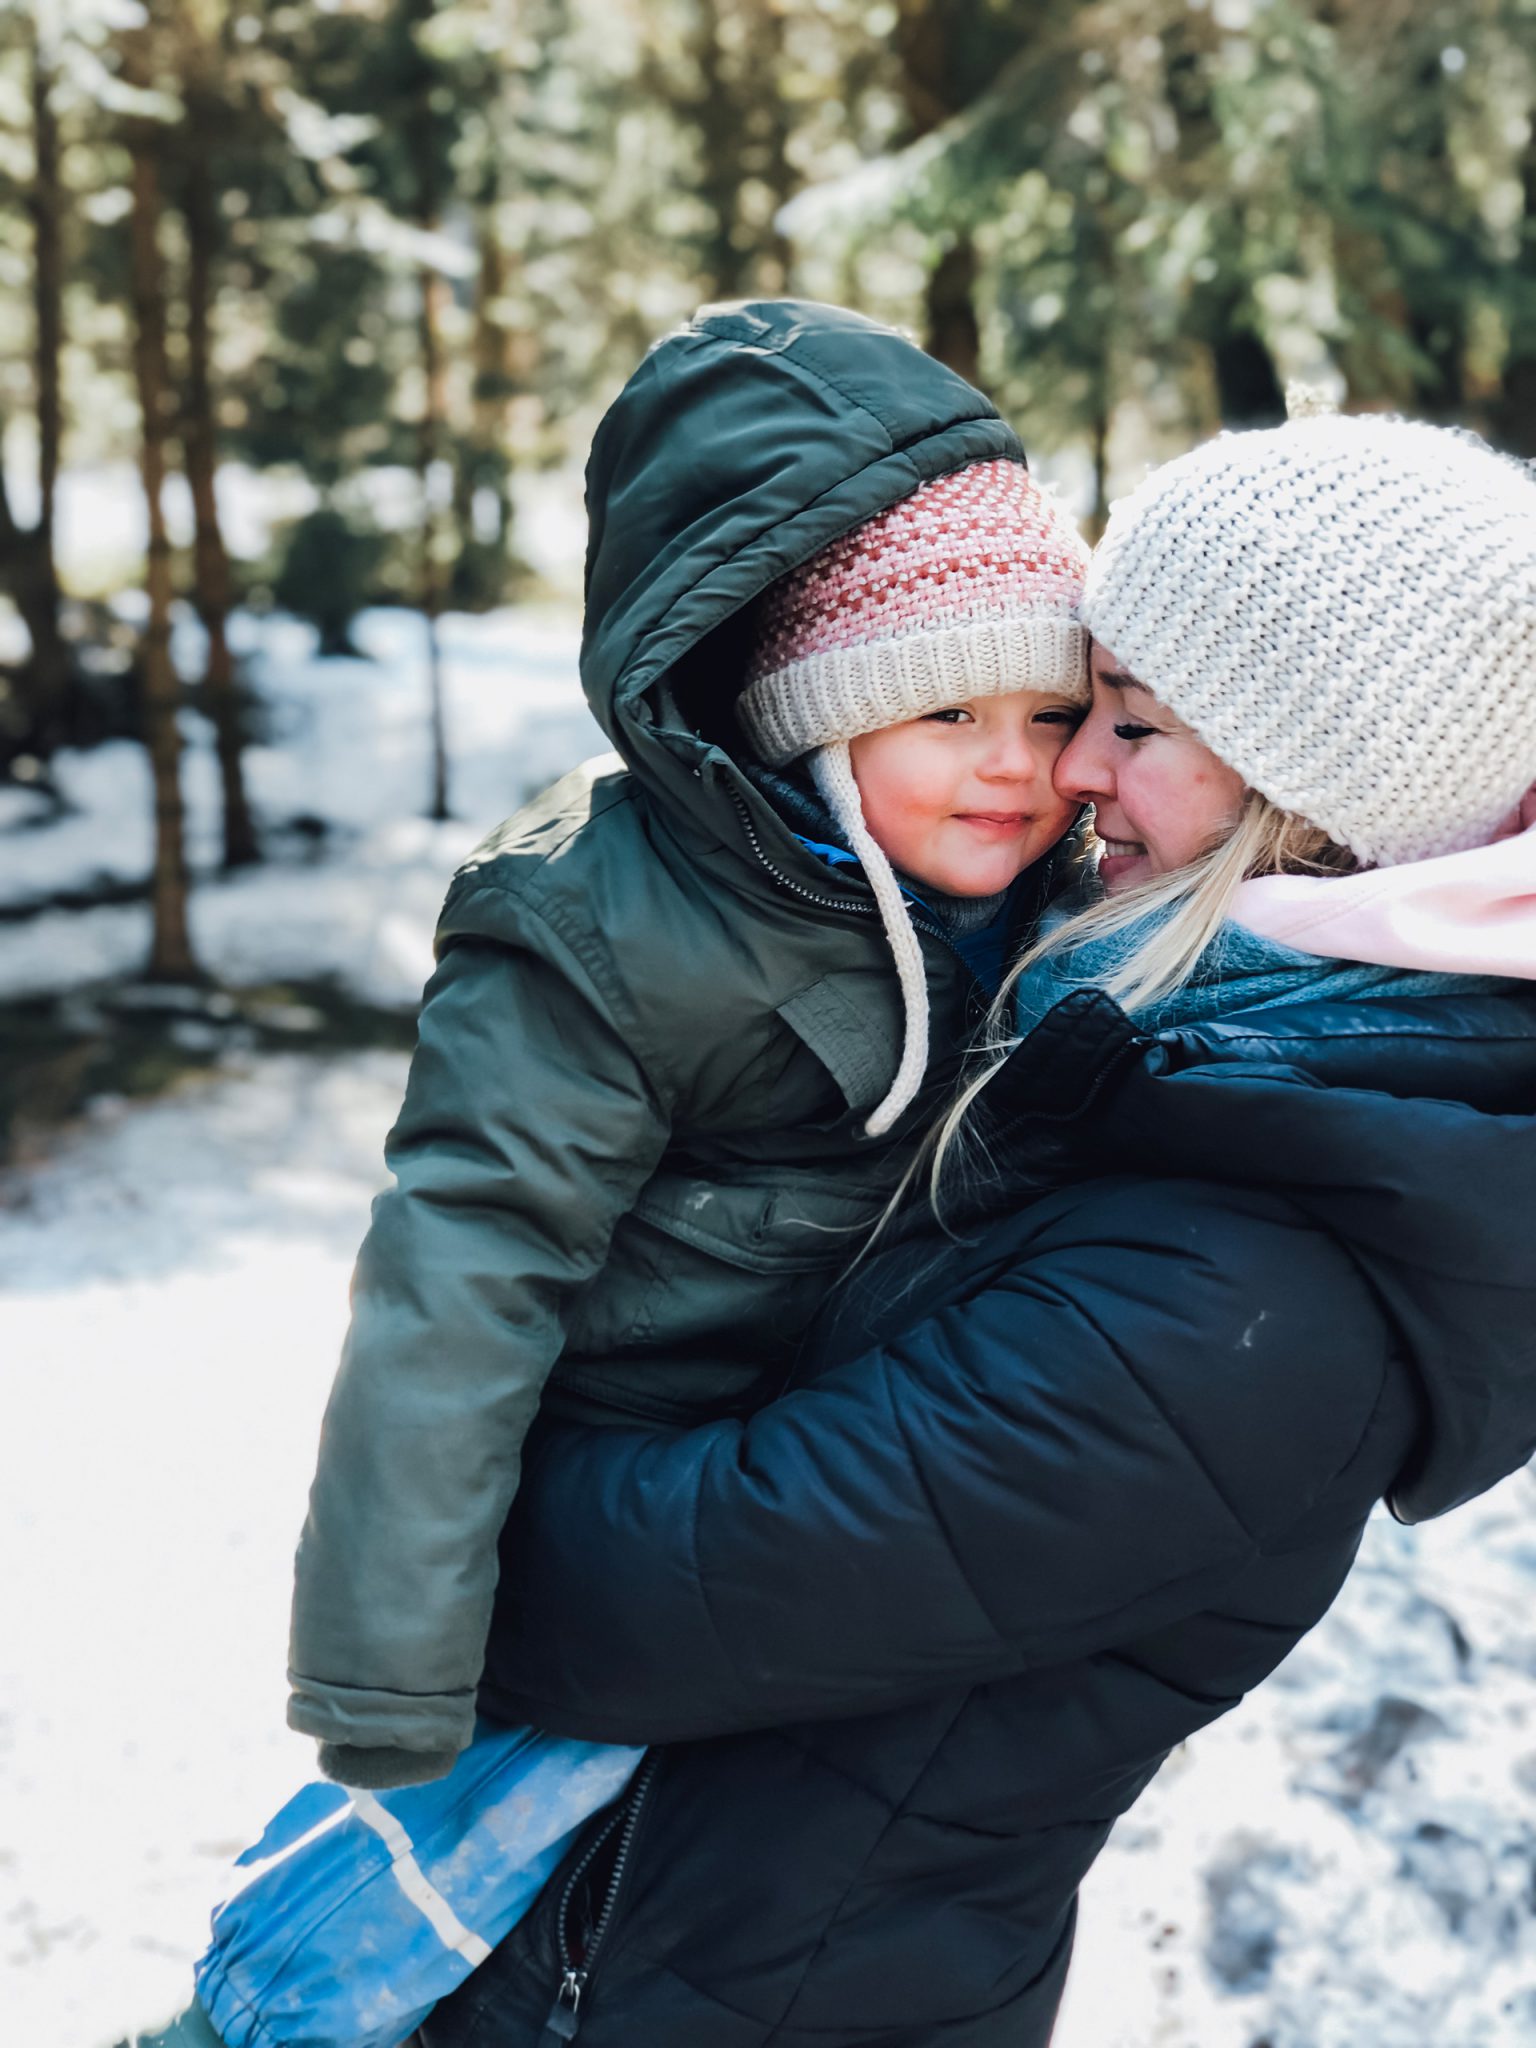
[{"x": 832, "y": 771}]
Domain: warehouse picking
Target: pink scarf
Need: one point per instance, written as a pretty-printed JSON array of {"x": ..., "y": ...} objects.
[{"x": 1465, "y": 913}]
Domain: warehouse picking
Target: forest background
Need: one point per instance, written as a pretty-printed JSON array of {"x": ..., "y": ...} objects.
[
  {"x": 308, "y": 309},
  {"x": 390, "y": 258}
]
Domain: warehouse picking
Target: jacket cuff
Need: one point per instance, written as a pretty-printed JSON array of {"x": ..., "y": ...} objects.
[
  {"x": 380, "y": 1770},
  {"x": 368, "y": 1717}
]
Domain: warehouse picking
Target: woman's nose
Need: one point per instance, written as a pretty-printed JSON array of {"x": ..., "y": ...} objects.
[{"x": 1083, "y": 770}]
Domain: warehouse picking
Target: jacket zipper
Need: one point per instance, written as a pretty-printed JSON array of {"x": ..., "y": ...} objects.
[
  {"x": 795, "y": 888},
  {"x": 565, "y": 2014}
]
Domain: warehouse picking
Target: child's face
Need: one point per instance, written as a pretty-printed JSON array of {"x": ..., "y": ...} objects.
[{"x": 963, "y": 798}]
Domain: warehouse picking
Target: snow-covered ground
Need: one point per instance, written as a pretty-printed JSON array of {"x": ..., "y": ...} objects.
[
  {"x": 172, "y": 1295},
  {"x": 1347, "y": 1862},
  {"x": 345, "y": 745}
]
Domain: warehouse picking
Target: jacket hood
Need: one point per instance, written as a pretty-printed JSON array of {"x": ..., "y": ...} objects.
[
  {"x": 741, "y": 446},
  {"x": 1406, "y": 1129}
]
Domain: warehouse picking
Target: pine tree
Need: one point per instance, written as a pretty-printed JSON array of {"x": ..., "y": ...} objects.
[
  {"x": 144, "y": 136},
  {"x": 204, "y": 52},
  {"x": 28, "y": 565}
]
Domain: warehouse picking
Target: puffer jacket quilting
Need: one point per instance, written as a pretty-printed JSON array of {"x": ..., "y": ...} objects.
[{"x": 954, "y": 1601}]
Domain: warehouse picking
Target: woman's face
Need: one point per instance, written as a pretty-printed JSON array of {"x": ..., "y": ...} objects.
[
  {"x": 1160, "y": 797},
  {"x": 963, "y": 799}
]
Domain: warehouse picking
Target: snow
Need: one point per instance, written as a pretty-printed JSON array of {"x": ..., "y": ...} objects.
[
  {"x": 173, "y": 1286},
  {"x": 345, "y": 745},
  {"x": 1349, "y": 1861},
  {"x": 172, "y": 1296},
  {"x": 101, "y": 521}
]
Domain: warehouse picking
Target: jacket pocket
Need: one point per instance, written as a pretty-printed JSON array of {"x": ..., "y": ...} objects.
[
  {"x": 710, "y": 1285},
  {"x": 799, "y": 1224},
  {"x": 855, "y": 1033}
]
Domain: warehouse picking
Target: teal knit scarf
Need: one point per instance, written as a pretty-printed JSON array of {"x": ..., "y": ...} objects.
[{"x": 1237, "y": 971}]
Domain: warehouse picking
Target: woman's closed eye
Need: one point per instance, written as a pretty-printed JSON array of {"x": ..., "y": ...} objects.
[{"x": 1135, "y": 732}]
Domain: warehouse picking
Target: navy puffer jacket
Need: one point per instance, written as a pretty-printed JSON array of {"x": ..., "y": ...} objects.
[{"x": 954, "y": 1601}]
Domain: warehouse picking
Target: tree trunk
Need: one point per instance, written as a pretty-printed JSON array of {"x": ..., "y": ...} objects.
[
  {"x": 27, "y": 577},
  {"x": 920, "y": 40},
  {"x": 420, "y": 142},
  {"x": 1100, "y": 266},
  {"x": 1098, "y": 519},
  {"x": 1222, "y": 313},
  {"x": 782, "y": 178},
  {"x": 483, "y": 463},
  {"x": 429, "y": 440},
  {"x": 953, "y": 332},
  {"x": 49, "y": 669},
  {"x": 47, "y": 207},
  {"x": 170, "y": 956},
  {"x": 1438, "y": 327},
  {"x": 742, "y": 123},
  {"x": 1248, "y": 387},
  {"x": 717, "y": 118},
  {"x": 1517, "y": 404},
  {"x": 495, "y": 370},
  {"x": 200, "y": 452},
  {"x": 1516, "y": 411}
]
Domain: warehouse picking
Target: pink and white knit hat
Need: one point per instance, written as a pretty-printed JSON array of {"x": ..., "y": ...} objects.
[{"x": 967, "y": 588}]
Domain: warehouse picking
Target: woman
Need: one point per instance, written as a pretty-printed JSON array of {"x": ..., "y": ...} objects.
[{"x": 1251, "y": 1251}]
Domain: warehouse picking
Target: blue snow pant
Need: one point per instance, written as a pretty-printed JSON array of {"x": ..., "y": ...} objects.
[{"x": 357, "y": 1911}]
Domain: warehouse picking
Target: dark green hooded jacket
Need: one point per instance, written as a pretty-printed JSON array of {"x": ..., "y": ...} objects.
[{"x": 630, "y": 1152}]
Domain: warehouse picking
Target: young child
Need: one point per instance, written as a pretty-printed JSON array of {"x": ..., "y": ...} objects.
[{"x": 665, "y": 1067}]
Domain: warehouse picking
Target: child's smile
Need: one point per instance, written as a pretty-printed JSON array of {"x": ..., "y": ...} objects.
[{"x": 962, "y": 800}]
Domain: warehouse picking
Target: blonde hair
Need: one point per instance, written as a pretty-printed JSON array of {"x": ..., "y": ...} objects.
[{"x": 1197, "y": 900}]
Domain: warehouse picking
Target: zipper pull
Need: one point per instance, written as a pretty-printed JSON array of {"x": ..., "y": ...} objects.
[{"x": 565, "y": 2013}]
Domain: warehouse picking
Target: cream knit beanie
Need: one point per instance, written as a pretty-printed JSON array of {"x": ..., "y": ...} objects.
[
  {"x": 1344, "y": 609},
  {"x": 966, "y": 588}
]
